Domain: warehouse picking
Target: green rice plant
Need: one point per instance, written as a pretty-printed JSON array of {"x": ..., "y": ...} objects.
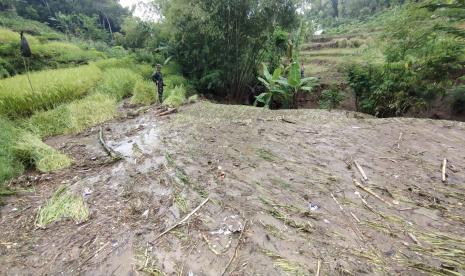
[
  {"x": 9, "y": 165},
  {"x": 50, "y": 89},
  {"x": 16, "y": 23},
  {"x": 175, "y": 97},
  {"x": 33, "y": 152},
  {"x": 73, "y": 117},
  {"x": 144, "y": 93},
  {"x": 62, "y": 52},
  {"x": 62, "y": 205},
  {"x": 118, "y": 83},
  {"x": 172, "y": 81}
]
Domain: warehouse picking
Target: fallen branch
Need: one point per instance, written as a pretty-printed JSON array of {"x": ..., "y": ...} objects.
[
  {"x": 108, "y": 150},
  {"x": 334, "y": 198},
  {"x": 362, "y": 172},
  {"x": 318, "y": 268},
  {"x": 368, "y": 190},
  {"x": 288, "y": 121},
  {"x": 183, "y": 220},
  {"x": 400, "y": 139},
  {"x": 236, "y": 250},
  {"x": 444, "y": 166},
  {"x": 168, "y": 112}
]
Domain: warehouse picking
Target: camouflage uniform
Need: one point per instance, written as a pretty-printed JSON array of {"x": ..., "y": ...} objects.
[{"x": 157, "y": 77}]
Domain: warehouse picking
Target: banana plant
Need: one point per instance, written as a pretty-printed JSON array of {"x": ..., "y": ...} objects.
[{"x": 284, "y": 89}]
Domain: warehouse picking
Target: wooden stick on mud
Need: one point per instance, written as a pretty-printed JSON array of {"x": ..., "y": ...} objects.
[
  {"x": 334, "y": 198},
  {"x": 400, "y": 139},
  {"x": 362, "y": 172},
  {"x": 107, "y": 149},
  {"x": 444, "y": 166},
  {"x": 368, "y": 190},
  {"x": 318, "y": 268},
  {"x": 288, "y": 121},
  {"x": 168, "y": 112},
  {"x": 183, "y": 220},
  {"x": 236, "y": 250}
]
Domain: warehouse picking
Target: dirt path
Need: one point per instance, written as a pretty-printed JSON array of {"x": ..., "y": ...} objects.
[{"x": 282, "y": 199}]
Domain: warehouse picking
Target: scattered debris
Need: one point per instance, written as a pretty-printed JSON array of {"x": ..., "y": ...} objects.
[
  {"x": 183, "y": 220},
  {"x": 444, "y": 166},
  {"x": 114, "y": 155},
  {"x": 167, "y": 112},
  {"x": 313, "y": 207},
  {"x": 362, "y": 172},
  {"x": 337, "y": 202},
  {"x": 366, "y": 189},
  {"x": 239, "y": 242}
]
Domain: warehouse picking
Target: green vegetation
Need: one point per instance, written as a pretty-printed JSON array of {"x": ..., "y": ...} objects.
[
  {"x": 34, "y": 153},
  {"x": 118, "y": 83},
  {"x": 62, "y": 205},
  {"x": 73, "y": 117},
  {"x": 51, "y": 88},
  {"x": 331, "y": 98},
  {"x": 175, "y": 97},
  {"x": 9, "y": 165},
  {"x": 144, "y": 93}
]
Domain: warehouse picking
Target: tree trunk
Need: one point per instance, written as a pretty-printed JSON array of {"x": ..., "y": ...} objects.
[{"x": 335, "y": 4}]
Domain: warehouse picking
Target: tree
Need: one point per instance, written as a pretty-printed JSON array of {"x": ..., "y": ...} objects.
[{"x": 220, "y": 43}]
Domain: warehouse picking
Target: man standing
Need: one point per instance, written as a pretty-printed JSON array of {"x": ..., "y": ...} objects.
[{"x": 157, "y": 77}]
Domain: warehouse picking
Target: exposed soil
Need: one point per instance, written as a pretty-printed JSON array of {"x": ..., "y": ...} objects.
[{"x": 282, "y": 199}]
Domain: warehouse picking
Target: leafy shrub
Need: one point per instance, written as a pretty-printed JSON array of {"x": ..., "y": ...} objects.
[
  {"x": 458, "y": 100},
  {"x": 331, "y": 98},
  {"x": 50, "y": 88},
  {"x": 34, "y": 153},
  {"x": 144, "y": 93},
  {"x": 118, "y": 83},
  {"x": 175, "y": 97}
]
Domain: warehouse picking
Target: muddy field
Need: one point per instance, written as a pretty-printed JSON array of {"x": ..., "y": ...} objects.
[{"x": 263, "y": 193}]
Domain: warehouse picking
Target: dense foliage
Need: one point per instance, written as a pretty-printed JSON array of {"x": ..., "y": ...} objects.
[
  {"x": 423, "y": 61},
  {"x": 220, "y": 44}
]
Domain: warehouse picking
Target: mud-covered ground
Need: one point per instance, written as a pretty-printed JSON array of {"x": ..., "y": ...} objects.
[{"x": 279, "y": 190}]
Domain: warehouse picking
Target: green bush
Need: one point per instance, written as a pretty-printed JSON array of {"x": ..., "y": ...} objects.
[
  {"x": 175, "y": 97},
  {"x": 50, "y": 89},
  {"x": 118, "y": 83},
  {"x": 458, "y": 100},
  {"x": 331, "y": 98},
  {"x": 144, "y": 93}
]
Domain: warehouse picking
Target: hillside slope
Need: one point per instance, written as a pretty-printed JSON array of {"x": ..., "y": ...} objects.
[{"x": 281, "y": 190}]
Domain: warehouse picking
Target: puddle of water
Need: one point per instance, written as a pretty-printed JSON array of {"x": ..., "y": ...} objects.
[{"x": 143, "y": 142}]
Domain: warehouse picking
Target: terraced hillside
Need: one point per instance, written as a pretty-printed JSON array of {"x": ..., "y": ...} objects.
[{"x": 326, "y": 56}]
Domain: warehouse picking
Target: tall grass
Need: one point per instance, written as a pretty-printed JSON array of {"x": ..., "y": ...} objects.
[
  {"x": 34, "y": 153},
  {"x": 144, "y": 93},
  {"x": 9, "y": 165},
  {"x": 118, "y": 83},
  {"x": 51, "y": 88},
  {"x": 175, "y": 97},
  {"x": 62, "y": 205},
  {"x": 73, "y": 117}
]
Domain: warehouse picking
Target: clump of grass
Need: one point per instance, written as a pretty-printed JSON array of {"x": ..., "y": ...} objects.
[
  {"x": 33, "y": 152},
  {"x": 193, "y": 99},
  {"x": 51, "y": 88},
  {"x": 73, "y": 117},
  {"x": 281, "y": 182},
  {"x": 172, "y": 81},
  {"x": 287, "y": 266},
  {"x": 181, "y": 203},
  {"x": 62, "y": 205},
  {"x": 175, "y": 97},
  {"x": 266, "y": 155},
  {"x": 10, "y": 166},
  {"x": 118, "y": 83},
  {"x": 144, "y": 93}
]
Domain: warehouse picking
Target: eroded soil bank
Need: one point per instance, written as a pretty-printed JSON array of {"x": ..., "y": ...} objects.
[{"x": 281, "y": 197}]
